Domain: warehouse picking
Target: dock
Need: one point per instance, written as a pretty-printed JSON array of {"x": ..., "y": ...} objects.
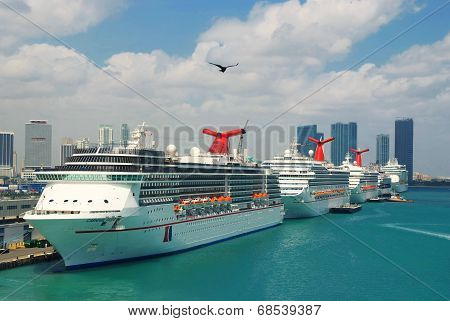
[{"x": 20, "y": 257}]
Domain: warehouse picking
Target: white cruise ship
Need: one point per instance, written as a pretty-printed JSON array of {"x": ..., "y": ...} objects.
[
  {"x": 114, "y": 204},
  {"x": 363, "y": 182},
  {"x": 398, "y": 174},
  {"x": 309, "y": 187},
  {"x": 384, "y": 185}
]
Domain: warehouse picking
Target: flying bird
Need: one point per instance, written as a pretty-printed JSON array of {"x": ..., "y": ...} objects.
[{"x": 223, "y": 68}]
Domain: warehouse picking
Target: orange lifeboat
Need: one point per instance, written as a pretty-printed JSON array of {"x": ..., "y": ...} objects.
[{"x": 228, "y": 198}]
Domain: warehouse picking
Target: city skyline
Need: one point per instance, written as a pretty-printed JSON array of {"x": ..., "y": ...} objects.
[{"x": 170, "y": 68}]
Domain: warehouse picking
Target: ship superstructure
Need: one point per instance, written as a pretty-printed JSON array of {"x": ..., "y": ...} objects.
[
  {"x": 309, "y": 186},
  {"x": 398, "y": 175},
  {"x": 114, "y": 204}
]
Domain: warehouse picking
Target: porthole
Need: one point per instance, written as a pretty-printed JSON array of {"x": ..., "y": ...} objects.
[
  {"x": 75, "y": 201},
  {"x": 65, "y": 201},
  {"x": 106, "y": 201},
  {"x": 90, "y": 201}
]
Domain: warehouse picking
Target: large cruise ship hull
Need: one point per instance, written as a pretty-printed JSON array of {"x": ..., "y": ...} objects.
[
  {"x": 86, "y": 241},
  {"x": 296, "y": 207},
  {"x": 359, "y": 195}
]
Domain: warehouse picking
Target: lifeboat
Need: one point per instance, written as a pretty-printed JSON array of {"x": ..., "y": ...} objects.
[
  {"x": 228, "y": 198},
  {"x": 221, "y": 199}
]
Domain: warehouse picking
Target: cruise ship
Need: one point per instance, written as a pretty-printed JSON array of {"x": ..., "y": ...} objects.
[
  {"x": 111, "y": 204},
  {"x": 398, "y": 174},
  {"x": 363, "y": 182},
  {"x": 309, "y": 186},
  {"x": 384, "y": 185}
]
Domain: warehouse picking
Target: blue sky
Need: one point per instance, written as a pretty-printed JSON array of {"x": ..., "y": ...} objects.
[
  {"x": 286, "y": 50},
  {"x": 174, "y": 26}
]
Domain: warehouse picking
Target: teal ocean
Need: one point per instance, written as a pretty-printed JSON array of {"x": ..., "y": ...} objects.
[{"x": 387, "y": 251}]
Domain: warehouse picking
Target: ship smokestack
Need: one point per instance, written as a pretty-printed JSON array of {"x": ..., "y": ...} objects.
[
  {"x": 358, "y": 153},
  {"x": 220, "y": 143},
  {"x": 319, "y": 154}
]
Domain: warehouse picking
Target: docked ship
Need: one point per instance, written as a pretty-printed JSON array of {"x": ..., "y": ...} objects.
[
  {"x": 111, "y": 204},
  {"x": 363, "y": 182},
  {"x": 309, "y": 186},
  {"x": 398, "y": 175},
  {"x": 384, "y": 185}
]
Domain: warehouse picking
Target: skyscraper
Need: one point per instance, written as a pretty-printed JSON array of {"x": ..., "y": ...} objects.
[
  {"x": 303, "y": 132},
  {"x": 346, "y": 137},
  {"x": 124, "y": 135},
  {"x": 404, "y": 137},
  {"x": 6, "y": 154},
  {"x": 38, "y": 144},
  {"x": 382, "y": 149},
  {"x": 105, "y": 136},
  {"x": 67, "y": 148}
]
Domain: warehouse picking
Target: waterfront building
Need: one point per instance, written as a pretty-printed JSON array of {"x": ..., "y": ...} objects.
[
  {"x": 105, "y": 136},
  {"x": 382, "y": 149},
  {"x": 124, "y": 135},
  {"x": 404, "y": 138},
  {"x": 66, "y": 150},
  {"x": 6, "y": 154},
  {"x": 13, "y": 234},
  {"x": 305, "y": 145},
  {"x": 38, "y": 144},
  {"x": 345, "y": 137},
  {"x": 13, "y": 207}
]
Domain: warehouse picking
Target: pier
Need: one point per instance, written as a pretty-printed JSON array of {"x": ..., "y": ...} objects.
[{"x": 20, "y": 257}]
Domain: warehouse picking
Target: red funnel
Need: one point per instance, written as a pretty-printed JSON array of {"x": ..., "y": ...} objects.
[
  {"x": 358, "y": 153},
  {"x": 220, "y": 143},
  {"x": 319, "y": 154}
]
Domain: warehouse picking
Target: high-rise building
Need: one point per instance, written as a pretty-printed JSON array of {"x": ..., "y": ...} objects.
[
  {"x": 67, "y": 148},
  {"x": 345, "y": 137},
  {"x": 124, "y": 135},
  {"x": 303, "y": 132},
  {"x": 6, "y": 154},
  {"x": 404, "y": 137},
  {"x": 382, "y": 149},
  {"x": 105, "y": 136},
  {"x": 38, "y": 144}
]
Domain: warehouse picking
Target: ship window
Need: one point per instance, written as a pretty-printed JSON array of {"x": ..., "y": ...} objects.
[
  {"x": 106, "y": 201},
  {"x": 75, "y": 201},
  {"x": 90, "y": 201},
  {"x": 65, "y": 201},
  {"x": 50, "y": 201}
]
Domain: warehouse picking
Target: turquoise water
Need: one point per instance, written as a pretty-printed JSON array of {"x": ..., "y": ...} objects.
[{"x": 311, "y": 259}]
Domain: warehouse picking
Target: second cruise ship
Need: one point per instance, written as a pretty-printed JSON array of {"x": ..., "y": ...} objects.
[
  {"x": 309, "y": 186},
  {"x": 363, "y": 182}
]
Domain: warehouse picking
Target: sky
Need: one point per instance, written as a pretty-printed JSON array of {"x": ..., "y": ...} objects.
[{"x": 286, "y": 50}]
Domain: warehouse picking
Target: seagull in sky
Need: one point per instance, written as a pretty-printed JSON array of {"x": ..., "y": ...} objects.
[{"x": 223, "y": 68}]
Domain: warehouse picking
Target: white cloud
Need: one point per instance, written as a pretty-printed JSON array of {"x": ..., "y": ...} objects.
[
  {"x": 61, "y": 18},
  {"x": 282, "y": 49}
]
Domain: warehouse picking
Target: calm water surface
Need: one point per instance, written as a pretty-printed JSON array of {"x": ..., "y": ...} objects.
[{"x": 387, "y": 251}]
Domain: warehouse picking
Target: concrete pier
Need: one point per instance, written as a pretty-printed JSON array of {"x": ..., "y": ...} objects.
[{"x": 27, "y": 256}]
